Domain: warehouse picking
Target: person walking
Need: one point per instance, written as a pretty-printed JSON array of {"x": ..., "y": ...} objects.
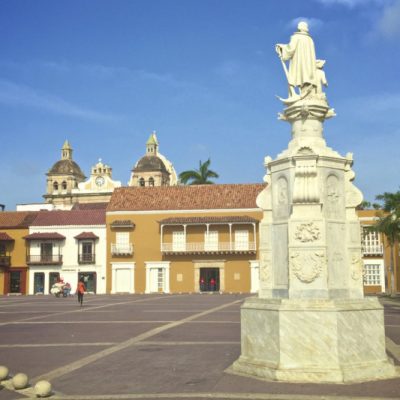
[{"x": 80, "y": 291}]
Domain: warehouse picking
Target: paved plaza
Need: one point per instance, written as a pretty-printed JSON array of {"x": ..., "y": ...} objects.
[{"x": 150, "y": 347}]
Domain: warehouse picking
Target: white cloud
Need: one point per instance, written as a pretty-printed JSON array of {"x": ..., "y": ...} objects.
[
  {"x": 388, "y": 25},
  {"x": 20, "y": 95},
  {"x": 351, "y": 3},
  {"x": 313, "y": 23}
]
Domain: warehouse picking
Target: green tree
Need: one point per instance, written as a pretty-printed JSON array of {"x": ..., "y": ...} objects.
[
  {"x": 389, "y": 225},
  {"x": 199, "y": 176}
]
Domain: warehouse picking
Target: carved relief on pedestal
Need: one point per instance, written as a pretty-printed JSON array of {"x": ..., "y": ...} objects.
[
  {"x": 307, "y": 233},
  {"x": 333, "y": 197},
  {"x": 307, "y": 266},
  {"x": 282, "y": 198},
  {"x": 265, "y": 267},
  {"x": 305, "y": 188},
  {"x": 357, "y": 266}
]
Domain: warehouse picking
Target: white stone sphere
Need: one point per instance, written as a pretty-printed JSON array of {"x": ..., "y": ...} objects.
[
  {"x": 43, "y": 389},
  {"x": 3, "y": 372},
  {"x": 20, "y": 381}
]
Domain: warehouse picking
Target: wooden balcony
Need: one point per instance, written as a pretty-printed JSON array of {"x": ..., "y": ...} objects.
[
  {"x": 44, "y": 259},
  {"x": 86, "y": 258},
  {"x": 5, "y": 261},
  {"x": 372, "y": 250},
  {"x": 121, "y": 250},
  {"x": 208, "y": 248}
]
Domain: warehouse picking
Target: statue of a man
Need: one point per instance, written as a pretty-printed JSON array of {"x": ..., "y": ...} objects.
[{"x": 302, "y": 68}]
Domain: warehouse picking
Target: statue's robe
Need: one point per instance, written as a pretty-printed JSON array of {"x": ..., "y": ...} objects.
[{"x": 301, "y": 53}]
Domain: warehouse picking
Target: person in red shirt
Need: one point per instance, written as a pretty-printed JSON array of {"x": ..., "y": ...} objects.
[
  {"x": 212, "y": 284},
  {"x": 81, "y": 289}
]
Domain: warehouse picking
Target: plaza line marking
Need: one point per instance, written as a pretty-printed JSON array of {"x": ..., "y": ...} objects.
[
  {"x": 83, "y": 309},
  {"x": 123, "y": 345},
  {"x": 158, "y": 343},
  {"x": 146, "y": 343},
  {"x": 116, "y": 322},
  {"x": 56, "y": 345}
]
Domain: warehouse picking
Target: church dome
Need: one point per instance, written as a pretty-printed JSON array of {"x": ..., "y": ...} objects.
[
  {"x": 67, "y": 167},
  {"x": 150, "y": 164}
]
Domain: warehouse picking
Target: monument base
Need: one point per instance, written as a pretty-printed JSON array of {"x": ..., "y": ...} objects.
[{"x": 319, "y": 341}]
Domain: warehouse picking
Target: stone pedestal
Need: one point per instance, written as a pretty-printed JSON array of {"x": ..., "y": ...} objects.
[
  {"x": 324, "y": 341},
  {"x": 310, "y": 321}
]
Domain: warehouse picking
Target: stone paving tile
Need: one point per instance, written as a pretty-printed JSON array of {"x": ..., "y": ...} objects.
[
  {"x": 153, "y": 369},
  {"x": 35, "y": 361},
  {"x": 201, "y": 332},
  {"x": 154, "y": 366},
  {"x": 70, "y": 333}
]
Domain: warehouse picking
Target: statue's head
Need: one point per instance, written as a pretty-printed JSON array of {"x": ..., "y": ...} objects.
[{"x": 302, "y": 26}]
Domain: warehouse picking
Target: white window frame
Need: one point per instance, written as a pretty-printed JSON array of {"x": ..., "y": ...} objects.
[
  {"x": 374, "y": 273},
  {"x": 211, "y": 240},
  {"x": 178, "y": 241},
  {"x": 157, "y": 265},
  {"x": 122, "y": 242},
  {"x": 242, "y": 239},
  {"x": 371, "y": 242}
]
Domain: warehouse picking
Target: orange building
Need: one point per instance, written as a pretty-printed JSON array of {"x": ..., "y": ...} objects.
[
  {"x": 376, "y": 256},
  {"x": 13, "y": 268},
  {"x": 175, "y": 239}
]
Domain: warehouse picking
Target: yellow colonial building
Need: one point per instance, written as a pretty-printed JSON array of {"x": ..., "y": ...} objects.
[
  {"x": 14, "y": 226},
  {"x": 176, "y": 239}
]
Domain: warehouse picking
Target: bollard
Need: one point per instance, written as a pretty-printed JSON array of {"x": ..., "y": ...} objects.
[
  {"x": 3, "y": 372},
  {"x": 43, "y": 389},
  {"x": 20, "y": 381}
]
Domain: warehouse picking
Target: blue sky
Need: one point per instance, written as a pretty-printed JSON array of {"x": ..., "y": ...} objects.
[{"x": 203, "y": 74}]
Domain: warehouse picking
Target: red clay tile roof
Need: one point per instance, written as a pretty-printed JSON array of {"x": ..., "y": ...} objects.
[
  {"x": 191, "y": 197},
  {"x": 123, "y": 223},
  {"x": 86, "y": 235},
  {"x": 5, "y": 237},
  {"x": 44, "y": 236},
  {"x": 73, "y": 217},
  {"x": 90, "y": 206},
  {"x": 16, "y": 219},
  {"x": 208, "y": 220}
]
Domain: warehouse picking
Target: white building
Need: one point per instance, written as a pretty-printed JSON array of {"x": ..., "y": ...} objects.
[{"x": 67, "y": 245}]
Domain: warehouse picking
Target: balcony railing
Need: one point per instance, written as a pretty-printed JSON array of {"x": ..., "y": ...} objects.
[
  {"x": 86, "y": 258},
  {"x": 372, "y": 250},
  {"x": 5, "y": 261},
  {"x": 201, "y": 247},
  {"x": 44, "y": 259},
  {"x": 121, "y": 250}
]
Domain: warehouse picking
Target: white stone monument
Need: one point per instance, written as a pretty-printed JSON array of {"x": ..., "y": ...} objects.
[{"x": 310, "y": 321}]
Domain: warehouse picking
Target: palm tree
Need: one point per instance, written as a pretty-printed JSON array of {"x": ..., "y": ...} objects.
[
  {"x": 198, "y": 176},
  {"x": 389, "y": 225}
]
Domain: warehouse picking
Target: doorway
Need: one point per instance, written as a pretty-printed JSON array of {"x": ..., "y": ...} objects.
[
  {"x": 89, "y": 279},
  {"x": 54, "y": 277},
  {"x": 15, "y": 282},
  {"x": 38, "y": 282},
  {"x": 209, "y": 279}
]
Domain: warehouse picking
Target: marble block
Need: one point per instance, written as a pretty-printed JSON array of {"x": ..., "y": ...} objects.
[{"x": 311, "y": 340}]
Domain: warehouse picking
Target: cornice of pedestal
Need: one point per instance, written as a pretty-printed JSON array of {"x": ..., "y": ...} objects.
[{"x": 308, "y": 108}]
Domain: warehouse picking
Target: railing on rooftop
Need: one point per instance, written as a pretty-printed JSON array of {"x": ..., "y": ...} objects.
[
  {"x": 44, "y": 259},
  {"x": 121, "y": 250},
  {"x": 202, "y": 247}
]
